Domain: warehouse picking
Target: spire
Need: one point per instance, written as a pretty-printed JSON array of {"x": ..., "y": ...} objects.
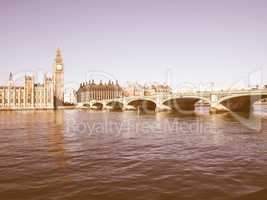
[
  {"x": 10, "y": 76},
  {"x": 10, "y": 80},
  {"x": 58, "y": 58}
]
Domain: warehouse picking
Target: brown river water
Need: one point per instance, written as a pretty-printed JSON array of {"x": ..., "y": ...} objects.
[{"x": 82, "y": 155}]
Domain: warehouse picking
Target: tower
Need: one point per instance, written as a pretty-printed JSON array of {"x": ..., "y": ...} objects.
[
  {"x": 11, "y": 90},
  {"x": 10, "y": 80},
  {"x": 58, "y": 80}
]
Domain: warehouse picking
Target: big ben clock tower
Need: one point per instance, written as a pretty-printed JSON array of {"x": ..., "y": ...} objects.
[{"x": 58, "y": 80}]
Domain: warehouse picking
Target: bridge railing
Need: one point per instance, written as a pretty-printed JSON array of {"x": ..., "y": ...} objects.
[{"x": 204, "y": 94}]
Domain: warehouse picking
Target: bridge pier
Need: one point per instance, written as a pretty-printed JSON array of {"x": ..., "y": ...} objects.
[{"x": 218, "y": 109}]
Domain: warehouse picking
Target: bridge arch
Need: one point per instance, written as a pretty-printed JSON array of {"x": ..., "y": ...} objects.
[
  {"x": 115, "y": 105},
  {"x": 183, "y": 104},
  {"x": 87, "y": 105},
  {"x": 97, "y": 106},
  {"x": 143, "y": 104},
  {"x": 241, "y": 102}
]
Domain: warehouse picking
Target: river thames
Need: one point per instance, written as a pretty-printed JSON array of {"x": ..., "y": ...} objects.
[{"x": 82, "y": 155}]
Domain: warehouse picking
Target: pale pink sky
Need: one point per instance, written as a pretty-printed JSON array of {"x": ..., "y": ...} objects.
[{"x": 138, "y": 40}]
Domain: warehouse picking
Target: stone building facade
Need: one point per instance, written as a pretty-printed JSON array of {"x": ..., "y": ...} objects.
[
  {"x": 31, "y": 95},
  {"x": 161, "y": 89},
  {"x": 92, "y": 91},
  {"x": 135, "y": 89}
]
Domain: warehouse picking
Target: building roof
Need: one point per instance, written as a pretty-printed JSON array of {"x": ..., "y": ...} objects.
[{"x": 91, "y": 85}]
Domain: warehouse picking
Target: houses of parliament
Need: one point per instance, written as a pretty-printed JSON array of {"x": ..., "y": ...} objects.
[{"x": 32, "y": 95}]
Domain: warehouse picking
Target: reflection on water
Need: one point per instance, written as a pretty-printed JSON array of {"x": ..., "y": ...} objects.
[
  {"x": 56, "y": 140},
  {"x": 76, "y": 154},
  {"x": 202, "y": 109},
  {"x": 260, "y": 110}
]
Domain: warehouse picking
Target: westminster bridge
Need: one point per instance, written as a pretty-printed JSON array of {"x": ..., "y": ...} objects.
[{"x": 185, "y": 102}]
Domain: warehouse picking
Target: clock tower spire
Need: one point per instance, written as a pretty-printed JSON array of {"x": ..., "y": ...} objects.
[{"x": 58, "y": 80}]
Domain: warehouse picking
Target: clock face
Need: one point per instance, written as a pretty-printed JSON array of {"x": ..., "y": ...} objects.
[{"x": 59, "y": 67}]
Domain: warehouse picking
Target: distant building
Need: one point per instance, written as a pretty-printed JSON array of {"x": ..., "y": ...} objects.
[
  {"x": 92, "y": 91},
  {"x": 157, "y": 89},
  {"x": 134, "y": 89},
  {"x": 147, "y": 90},
  {"x": 161, "y": 89},
  {"x": 46, "y": 95},
  {"x": 70, "y": 96}
]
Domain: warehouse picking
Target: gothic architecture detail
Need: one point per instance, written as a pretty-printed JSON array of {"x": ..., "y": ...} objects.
[
  {"x": 31, "y": 95},
  {"x": 58, "y": 80}
]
